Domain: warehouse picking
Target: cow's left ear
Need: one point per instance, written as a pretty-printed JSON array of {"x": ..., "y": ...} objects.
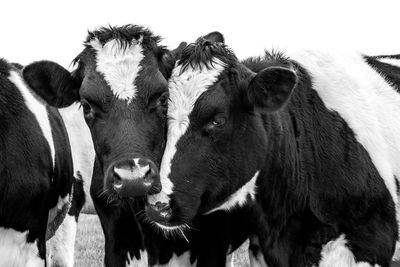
[
  {"x": 52, "y": 82},
  {"x": 272, "y": 87}
]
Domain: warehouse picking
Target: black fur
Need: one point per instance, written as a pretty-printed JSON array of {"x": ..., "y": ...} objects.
[{"x": 389, "y": 72}]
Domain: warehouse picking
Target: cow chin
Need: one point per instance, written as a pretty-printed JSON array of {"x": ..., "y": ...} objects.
[{"x": 165, "y": 222}]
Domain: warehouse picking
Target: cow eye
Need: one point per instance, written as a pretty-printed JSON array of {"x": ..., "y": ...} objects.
[
  {"x": 85, "y": 107},
  {"x": 163, "y": 100},
  {"x": 218, "y": 121}
]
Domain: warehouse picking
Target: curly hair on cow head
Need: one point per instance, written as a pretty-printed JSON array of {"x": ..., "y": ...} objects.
[
  {"x": 204, "y": 53},
  {"x": 124, "y": 35}
]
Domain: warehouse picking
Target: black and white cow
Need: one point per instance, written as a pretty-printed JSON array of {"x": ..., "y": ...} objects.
[
  {"x": 309, "y": 145},
  {"x": 40, "y": 198},
  {"x": 121, "y": 82}
]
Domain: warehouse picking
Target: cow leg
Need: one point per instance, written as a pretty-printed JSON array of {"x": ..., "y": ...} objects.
[
  {"x": 255, "y": 253},
  {"x": 16, "y": 251},
  {"x": 62, "y": 244}
]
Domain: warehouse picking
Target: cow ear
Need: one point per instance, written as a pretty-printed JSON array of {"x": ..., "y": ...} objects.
[
  {"x": 271, "y": 88},
  {"x": 168, "y": 60},
  {"x": 214, "y": 37},
  {"x": 52, "y": 82}
]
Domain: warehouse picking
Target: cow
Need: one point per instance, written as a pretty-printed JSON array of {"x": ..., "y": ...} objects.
[
  {"x": 307, "y": 143},
  {"x": 40, "y": 197}
]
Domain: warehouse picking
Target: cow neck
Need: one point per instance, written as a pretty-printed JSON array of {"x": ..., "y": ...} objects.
[{"x": 282, "y": 185}]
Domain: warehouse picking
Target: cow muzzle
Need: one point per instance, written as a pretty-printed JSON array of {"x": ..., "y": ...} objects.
[{"x": 133, "y": 177}]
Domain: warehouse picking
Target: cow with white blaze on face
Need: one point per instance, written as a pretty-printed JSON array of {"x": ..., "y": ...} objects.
[
  {"x": 121, "y": 83},
  {"x": 308, "y": 144},
  {"x": 40, "y": 198}
]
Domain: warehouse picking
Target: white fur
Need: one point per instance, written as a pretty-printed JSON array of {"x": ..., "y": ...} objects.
[
  {"x": 120, "y": 66},
  {"x": 142, "y": 262},
  {"x": 82, "y": 149},
  {"x": 62, "y": 245},
  {"x": 239, "y": 198},
  {"x": 369, "y": 105},
  {"x": 182, "y": 260},
  {"x": 184, "y": 90},
  {"x": 16, "y": 252},
  {"x": 336, "y": 253},
  {"x": 37, "y": 108},
  {"x": 390, "y": 61}
]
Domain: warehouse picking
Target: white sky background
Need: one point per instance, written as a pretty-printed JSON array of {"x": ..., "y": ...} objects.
[{"x": 55, "y": 30}]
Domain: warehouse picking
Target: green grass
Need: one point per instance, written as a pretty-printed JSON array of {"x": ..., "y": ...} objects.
[{"x": 89, "y": 246}]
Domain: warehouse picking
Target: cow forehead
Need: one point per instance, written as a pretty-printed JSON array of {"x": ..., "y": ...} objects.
[
  {"x": 187, "y": 84},
  {"x": 120, "y": 66}
]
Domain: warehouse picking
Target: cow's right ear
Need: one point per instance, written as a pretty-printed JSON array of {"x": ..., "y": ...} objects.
[
  {"x": 52, "y": 82},
  {"x": 271, "y": 88}
]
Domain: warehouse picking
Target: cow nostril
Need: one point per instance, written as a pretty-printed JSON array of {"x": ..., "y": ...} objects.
[{"x": 117, "y": 181}]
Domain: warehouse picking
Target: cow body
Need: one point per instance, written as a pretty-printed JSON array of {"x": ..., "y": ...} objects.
[
  {"x": 36, "y": 172},
  {"x": 82, "y": 150},
  {"x": 307, "y": 144}
]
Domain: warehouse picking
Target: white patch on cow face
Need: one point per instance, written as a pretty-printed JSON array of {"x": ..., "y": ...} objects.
[
  {"x": 119, "y": 66},
  {"x": 62, "y": 245},
  {"x": 391, "y": 61},
  {"x": 239, "y": 198},
  {"x": 82, "y": 149},
  {"x": 38, "y": 109},
  {"x": 184, "y": 90},
  {"x": 182, "y": 260},
  {"x": 16, "y": 252},
  {"x": 369, "y": 105},
  {"x": 336, "y": 253},
  {"x": 142, "y": 262}
]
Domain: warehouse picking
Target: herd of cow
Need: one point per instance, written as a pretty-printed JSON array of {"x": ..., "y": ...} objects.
[{"x": 190, "y": 152}]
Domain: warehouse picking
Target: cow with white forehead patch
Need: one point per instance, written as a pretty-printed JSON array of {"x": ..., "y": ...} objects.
[
  {"x": 121, "y": 83},
  {"x": 40, "y": 199},
  {"x": 309, "y": 145}
]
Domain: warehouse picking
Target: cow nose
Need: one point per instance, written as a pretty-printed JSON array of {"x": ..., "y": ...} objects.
[
  {"x": 162, "y": 209},
  {"x": 134, "y": 177}
]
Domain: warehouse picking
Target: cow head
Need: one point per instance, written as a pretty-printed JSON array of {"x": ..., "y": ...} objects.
[
  {"x": 121, "y": 83},
  {"x": 216, "y": 140}
]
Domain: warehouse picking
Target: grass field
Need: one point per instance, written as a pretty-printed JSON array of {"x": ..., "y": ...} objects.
[{"x": 90, "y": 242}]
